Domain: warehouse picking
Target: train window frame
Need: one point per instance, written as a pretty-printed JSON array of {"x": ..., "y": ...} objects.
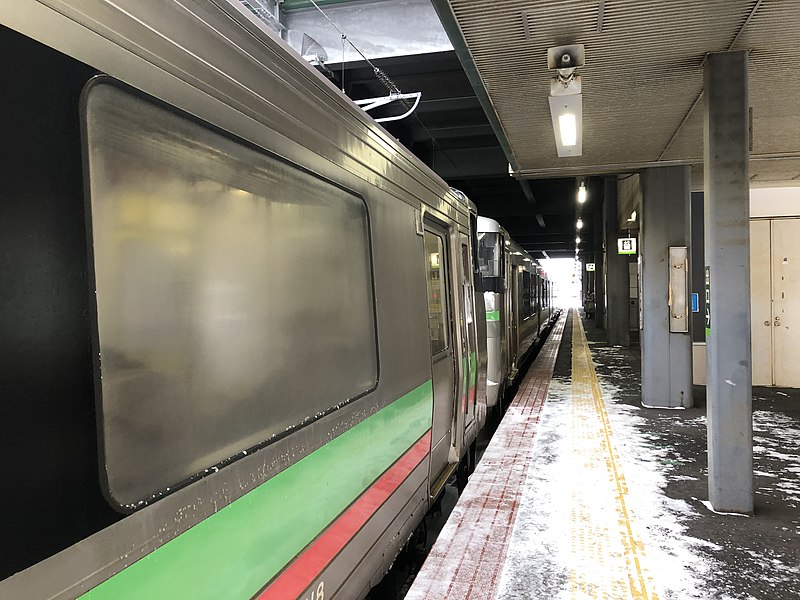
[
  {"x": 303, "y": 420},
  {"x": 525, "y": 296},
  {"x": 444, "y": 265}
]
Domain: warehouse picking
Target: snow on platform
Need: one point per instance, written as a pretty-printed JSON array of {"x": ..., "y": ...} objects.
[
  {"x": 466, "y": 560},
  {"x": 569, "y": 502}
]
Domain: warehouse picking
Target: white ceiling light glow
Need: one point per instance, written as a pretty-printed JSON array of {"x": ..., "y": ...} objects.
[
  {"x": 579, "y": 224},
  {"x": 582, "y": 194},
  {"x": 568, "y": 128},
  {"x": 567, "y": 113}
]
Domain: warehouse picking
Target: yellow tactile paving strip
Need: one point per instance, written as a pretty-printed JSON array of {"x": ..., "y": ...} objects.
[{"x": 608, "y": 560}]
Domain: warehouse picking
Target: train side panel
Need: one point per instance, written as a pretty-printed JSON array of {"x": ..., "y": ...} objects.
[{"x": 270, "y": 495}]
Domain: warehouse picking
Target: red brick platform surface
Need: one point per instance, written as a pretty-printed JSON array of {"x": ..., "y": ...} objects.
[{"x": 467, "y": 559}]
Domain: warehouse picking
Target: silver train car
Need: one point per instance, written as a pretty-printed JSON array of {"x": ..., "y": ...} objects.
[
  {"x": 241, "y": 333},
  {"x": 518, "y": 299}
]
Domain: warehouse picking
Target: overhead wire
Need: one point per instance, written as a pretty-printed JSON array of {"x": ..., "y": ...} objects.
[{"x": 392, "y": 88}]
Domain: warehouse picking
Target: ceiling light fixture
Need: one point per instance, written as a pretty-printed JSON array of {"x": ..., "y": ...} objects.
[
  {"x": 582, "y": 194},
  {"x": 579, "y": 224},
  {"x": 578, "y": 240},
  {"x": 633, "y": 216},
  {"x": 567, "y": 113},
  {"x": 566, "y": 101}
]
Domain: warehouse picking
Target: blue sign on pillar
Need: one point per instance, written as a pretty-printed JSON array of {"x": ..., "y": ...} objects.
[{"x": 695, "y": 302}]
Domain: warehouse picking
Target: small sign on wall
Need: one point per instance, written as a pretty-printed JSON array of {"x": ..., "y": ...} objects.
[
  {"x": 590, "y": 266},
  {"x": 626, "y": 246}
]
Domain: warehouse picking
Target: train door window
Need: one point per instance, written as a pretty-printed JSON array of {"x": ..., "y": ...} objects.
[
  {"x": 490, "y": 252},
  {"x": 473, "y": 230},
  {"x": 466, "y": 279},
  {"x": 526, "y": 295},
  {"x": 544, "y": 293},
  {"x": 435, "y": 260},
  {"x": 469, "y": 365},
  {"x": 234, "y": 293}
]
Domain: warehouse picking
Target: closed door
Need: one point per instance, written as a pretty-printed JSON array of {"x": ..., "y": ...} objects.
[
  {"x": 775, "y": 301},
  {"x": 469, "y": 362},
  {"x": 785, "y": 301},
  {"x": 443, "y": 369},
  {"x": 761, "y": 302}
]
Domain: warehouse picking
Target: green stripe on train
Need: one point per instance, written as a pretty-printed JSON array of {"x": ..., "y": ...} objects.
[
  {"x": 236, "y": 551},
  {"x": 492, "y": 315}
]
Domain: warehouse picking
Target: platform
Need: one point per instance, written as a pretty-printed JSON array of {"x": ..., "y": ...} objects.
[{"x": 584, "y": 494}]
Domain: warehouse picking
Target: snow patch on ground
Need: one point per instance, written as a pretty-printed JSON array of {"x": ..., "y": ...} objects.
[
  {"x": 542, "y": 561},
  {"x": 541, "y": 558},
  {"x": 676, "y": 560},
  {"x": 776, "y": 436}
]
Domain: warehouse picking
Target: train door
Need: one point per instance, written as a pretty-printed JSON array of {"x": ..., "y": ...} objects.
[
  {"x": 469, "y": 345},
  {"x": 515, "y": 294},
  {"x": 537, "y": 303},
  {"x": 443, "y": 353},
  {"x": 479, "y": 311},
  {"x": 509, "y": 324}
]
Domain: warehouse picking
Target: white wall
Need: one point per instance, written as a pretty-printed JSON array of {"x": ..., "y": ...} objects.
[{"x": 775, "y": 202}]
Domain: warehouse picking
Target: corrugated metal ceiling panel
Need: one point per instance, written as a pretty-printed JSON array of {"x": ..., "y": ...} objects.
[{"x": 643, "y": 74}]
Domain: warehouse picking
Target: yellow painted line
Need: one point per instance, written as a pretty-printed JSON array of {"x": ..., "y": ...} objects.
[{"x": 608, "y": 558}]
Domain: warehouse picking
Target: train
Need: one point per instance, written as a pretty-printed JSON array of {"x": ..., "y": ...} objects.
[
  {"x": 519, "y": 307},
  {"x": 245, "y": 330}
]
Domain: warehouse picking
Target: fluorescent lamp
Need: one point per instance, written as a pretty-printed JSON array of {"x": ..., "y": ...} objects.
[
  {"x": 566, "y": 113},
  {"x": 579, "y": 224},
  {"x": 582, "y": 194},
  {"x": 569, "y": 129}
]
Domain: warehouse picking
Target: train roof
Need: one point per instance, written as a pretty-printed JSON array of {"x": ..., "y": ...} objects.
[{"x": 204, "y": 55}]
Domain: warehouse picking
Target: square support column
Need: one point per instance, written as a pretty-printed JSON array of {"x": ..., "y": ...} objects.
[
  {"x": 599, "y": 283},
  {"x": 617, "y": 274},
  {"x": 666, "y": 354},
  {"x": 727, "y": 255}
]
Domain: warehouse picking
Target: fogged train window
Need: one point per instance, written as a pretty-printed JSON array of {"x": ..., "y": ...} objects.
[
  {"x": 437, "y": 305},
  {"x": 234, "y": 293}
]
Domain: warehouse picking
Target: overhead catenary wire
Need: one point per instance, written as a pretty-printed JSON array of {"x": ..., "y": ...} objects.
[
  {"x": 391, "y": 87},
  {"x": 379, "y": 74}
]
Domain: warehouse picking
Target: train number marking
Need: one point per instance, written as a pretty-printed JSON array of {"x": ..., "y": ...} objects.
[{"x": 318, "y": 594}]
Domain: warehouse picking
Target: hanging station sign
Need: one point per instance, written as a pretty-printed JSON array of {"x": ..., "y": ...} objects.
[
  {"x": 626, "y": 246},
  {"x": 590, "y": 266}
]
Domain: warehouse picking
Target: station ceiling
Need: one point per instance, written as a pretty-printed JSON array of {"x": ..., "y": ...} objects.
[
  {"x": 485, "y": 104},
  {"x": 642, "y": 81}
]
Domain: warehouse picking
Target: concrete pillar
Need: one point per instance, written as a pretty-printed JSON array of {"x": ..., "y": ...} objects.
[
  {"x": 698, "y": 262},
  {"x": 666, "y": 355},
  {"x": 599, "y": 283},
  {"x": 727, "y": 254},
  {"x": 617, "y": 279}
]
